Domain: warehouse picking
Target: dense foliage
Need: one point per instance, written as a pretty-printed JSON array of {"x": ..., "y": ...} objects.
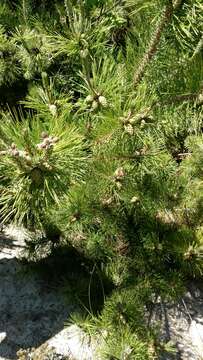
[{"x": 101, "y": 145}]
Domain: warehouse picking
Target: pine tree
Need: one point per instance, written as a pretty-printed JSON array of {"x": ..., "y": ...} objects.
[{"x": 101, "y": 138}]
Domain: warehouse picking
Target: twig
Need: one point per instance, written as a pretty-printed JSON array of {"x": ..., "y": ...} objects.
[
  {"x": 198, "y": 48},
  {"x": 102, "y": 286},
  {"x": 176, "y": 99},
  {"x": 177, "y": 4},
  {"x": 153, "y": 45},
  {"x": 127, "y": 157},
  {"x": 102, "y": 12},
  {"x": 69, "y": 12},
  {"x": 89, "y": 288},
  {"x": 155, "y": 39}
]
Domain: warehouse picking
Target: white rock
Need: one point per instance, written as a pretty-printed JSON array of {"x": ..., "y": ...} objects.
[
  {"x": 72, "y": 341},
  {"x": 16, "y": 241},
  {"x": 17, "y": 233},
  {"x": 2, "y": 336},
  {"x": 196, "y": 334}
]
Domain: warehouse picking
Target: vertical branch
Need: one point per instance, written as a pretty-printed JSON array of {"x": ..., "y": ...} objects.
[
  {"x": 198, "y": 48},
  {"x": 153, "y": 45},
  {"x": 155, "y": 39},
  {"x": 69, "y": 12},
  {"x": 177, "y": 3},
  {"x": 68, "y": 7},
  {"x": 86, "y": 68},
  {"x": 25, "y": 11},
  {"x": 82, "y": 9}
]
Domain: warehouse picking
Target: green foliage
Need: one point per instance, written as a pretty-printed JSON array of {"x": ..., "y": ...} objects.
[
  {"x": 9, "y": 64},
  {"x": 32, "y": 51},
  {"x": 188, "y": 28},
  {"x": 39, "y": 160},
  {"x": 107, "y": 147}
]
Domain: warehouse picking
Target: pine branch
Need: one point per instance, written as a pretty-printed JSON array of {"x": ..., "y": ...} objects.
[
  {"x": 177, "y": 99},
  {"x": 153, "y": 45},
  {"x": 136, "y": 156},
  {"x": 103, "y": 13},
  {"x": 24, "y": 11},
  {"x": 82, "y": 9},
  {"x": 155, "y": 40},
  {"x": 69, "y": 12},
  {"x": 177, "y": 4},
  {"x": 198, "y": 48}
]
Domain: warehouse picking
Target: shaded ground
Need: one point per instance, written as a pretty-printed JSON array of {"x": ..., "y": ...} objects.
[
  {"x": 31, "y": 310},
  {"x": 182, "y": 324}
]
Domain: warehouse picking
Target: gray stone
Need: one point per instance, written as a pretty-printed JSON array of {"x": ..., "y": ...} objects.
[{"x": 33, "y": 313}]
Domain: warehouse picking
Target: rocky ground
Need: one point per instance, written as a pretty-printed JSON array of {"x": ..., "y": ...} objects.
[
  {"x": 33, "y": 312},
  {"x": 31, "y": 309},
  {"x": 182, "y": 324}
]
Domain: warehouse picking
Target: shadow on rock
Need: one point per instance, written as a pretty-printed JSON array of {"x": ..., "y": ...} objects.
[
  {"x": 31, "y": 309},
  {"x": 182, "y": 324}
]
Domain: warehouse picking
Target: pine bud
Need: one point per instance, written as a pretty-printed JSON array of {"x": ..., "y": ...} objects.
[
  {"x": 189, "y": 254},
  {"x": 118, "y": 184},
  {"x": 94, "y": 105},
  {"x": 89, "y": 99},
  {"x": 15, "y": 153},
  {"x": 73, "y": 219},
  {"x": 134, "y": 200},
  {"x": 132, "y": 121},
  {"x": 40, "y": 146},
  {"x": 144, "y": 150},
  {"x": 62, "y": 20},
  {"x": 48, "y": 166},
  {"x": 21, "y": 153},
  {"x": 166, "y": 217},
  {"x": 44, "y": 135},
  {"x": 129, "y": 129},
  {"x": 142, "y": 124},
  {"x": 105, "y": 333},
  {"x": 124, "y": 120},
  {"x": 55, "y": 139},
  {"x": 28, "y": 159},
  {"x": 46, "y": 141},
  {"x": 102, "y": 100},
  {"x": 119, "y": 173},
  {"x": 53, "y": 109},
  {"x": 13, "y": 146},
  {"x": 84, "y": 53},
  {"x": 200, "y": 98},
  {"x": 122, "y": 318},
  {"x": 106, "y": 202}
]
